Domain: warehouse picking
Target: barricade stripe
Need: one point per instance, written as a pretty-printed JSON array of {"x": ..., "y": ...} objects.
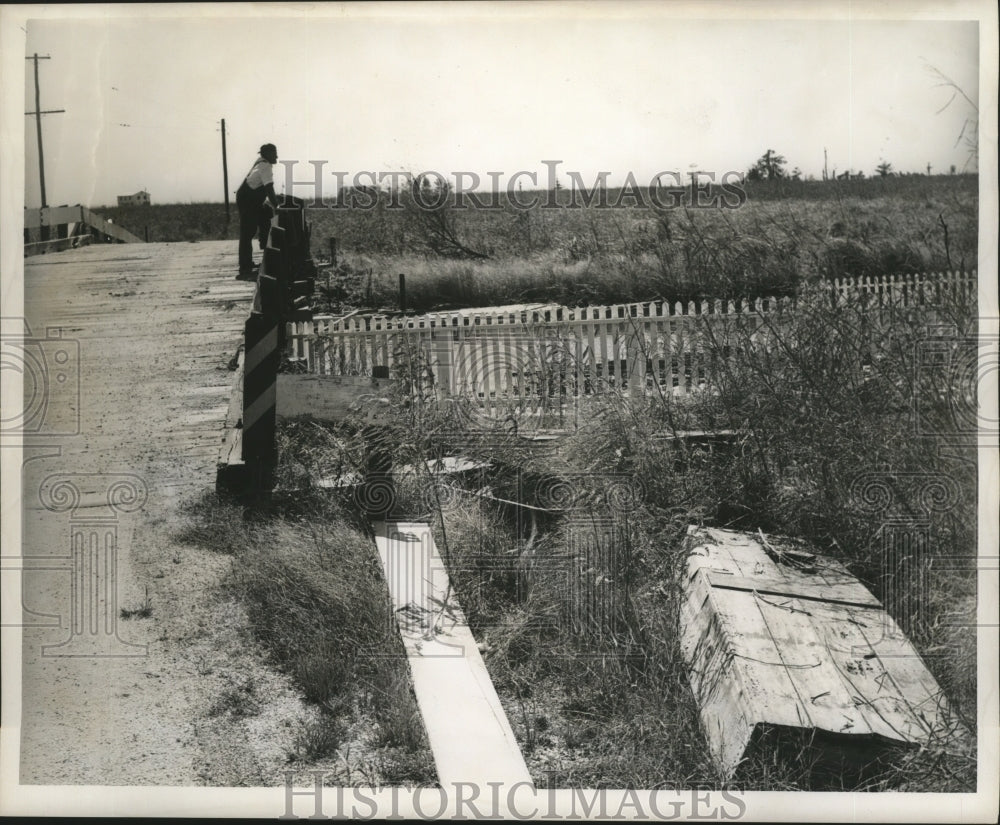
[
  {"x": 260, "y": 406},
  {"x": 264, "y": 347}
]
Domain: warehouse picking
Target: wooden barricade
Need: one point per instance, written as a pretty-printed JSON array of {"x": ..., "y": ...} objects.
[{"x": 286, "y": 274}]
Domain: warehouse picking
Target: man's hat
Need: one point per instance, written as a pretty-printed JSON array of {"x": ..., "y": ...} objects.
[{"x": 269, "y": 150}]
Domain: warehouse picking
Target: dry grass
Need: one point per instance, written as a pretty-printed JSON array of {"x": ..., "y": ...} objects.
[
  {"x": 312, "y": 588},
  {"x": 786, "y": 233},
  {"x": 819, "y": 402}
]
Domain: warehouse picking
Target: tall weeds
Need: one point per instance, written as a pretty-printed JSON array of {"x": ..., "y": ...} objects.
[{"x": 816, "y": 400}]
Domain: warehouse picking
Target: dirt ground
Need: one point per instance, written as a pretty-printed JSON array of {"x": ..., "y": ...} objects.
[{"x": 150, "y": 329}]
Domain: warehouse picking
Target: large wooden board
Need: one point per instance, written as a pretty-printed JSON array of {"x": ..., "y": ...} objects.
[
  {"x": 771, "y": 644},
  {"x": 469, "y": 733}
]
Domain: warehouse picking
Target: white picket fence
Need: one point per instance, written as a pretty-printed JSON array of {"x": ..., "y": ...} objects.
[
  {"x": 545, "y": 355},
  {"x": 907, "y": 290}
]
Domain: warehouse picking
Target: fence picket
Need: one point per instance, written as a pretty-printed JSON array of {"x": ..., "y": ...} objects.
[{"x": 544, "y": 356}]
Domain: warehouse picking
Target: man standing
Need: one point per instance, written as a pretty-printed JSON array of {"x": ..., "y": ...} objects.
[{"x": 257, "y": 187}]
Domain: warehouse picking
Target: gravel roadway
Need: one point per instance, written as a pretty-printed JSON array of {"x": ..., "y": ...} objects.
[{"x": 148, "y": 331}]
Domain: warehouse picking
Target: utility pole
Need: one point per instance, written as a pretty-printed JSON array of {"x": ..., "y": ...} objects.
[
  {"x": 38, "y": 124},
  {"x": 225, "y": 170},
  {"x": 826, "y": 175}
]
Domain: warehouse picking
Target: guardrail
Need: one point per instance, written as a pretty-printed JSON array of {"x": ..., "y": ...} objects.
[
  {"x": 61, "y": 218},
  {"x": 68, "y": 242},
  {"x": 286, "y": 277}
]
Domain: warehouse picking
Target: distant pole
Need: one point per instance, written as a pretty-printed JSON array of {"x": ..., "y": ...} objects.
[
  {"x": 225, "y": 169},
  {"x": 402, "y": 292},
  {"x": 826, "y": 174},
  {"x": 38, "y": 126}
]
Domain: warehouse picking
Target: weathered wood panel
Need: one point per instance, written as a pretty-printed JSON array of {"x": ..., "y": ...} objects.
[
  {"x": 330, "y": 397},
  {"x": 469, "y": 732},
  {"x": 775, "y": 640},
  {"x": 51, "y": 216}
]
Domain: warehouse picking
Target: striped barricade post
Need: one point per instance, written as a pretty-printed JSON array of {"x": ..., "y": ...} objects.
[
  {"x": 276, "y": 266},
  {"x": 272, "y": 287},
  {"x": 264, "y": 338},
  {"x": 291, "y": 218},
  {"x": 285, "y": 279},
  {"x": 260, "y": 378}
]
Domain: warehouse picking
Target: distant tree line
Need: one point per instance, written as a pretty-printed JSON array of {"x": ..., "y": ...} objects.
[{"x": 772, "y": 166}]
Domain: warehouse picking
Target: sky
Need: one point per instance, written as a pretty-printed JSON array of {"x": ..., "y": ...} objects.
[{"x": 626, "y": 88}]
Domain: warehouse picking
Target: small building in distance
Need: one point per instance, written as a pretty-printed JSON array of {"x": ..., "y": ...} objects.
[{"x": 138, "y": 199}]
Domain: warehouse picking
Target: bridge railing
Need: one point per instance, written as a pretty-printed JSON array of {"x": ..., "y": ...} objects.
[
  {"x": 284, "y": 281},
  {"x": 61, "y": 218}
]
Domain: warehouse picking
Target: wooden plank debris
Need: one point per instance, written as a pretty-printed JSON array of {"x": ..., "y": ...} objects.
[
  {"x": 469, "y": 733},
  {"x": 778, "y": 639},
  {"x": 333, "y": 397}
]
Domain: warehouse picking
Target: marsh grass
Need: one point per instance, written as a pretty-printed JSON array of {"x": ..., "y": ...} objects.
[
  {"x": 786, "y": 234},
  {"x": 815, "y": 401}
]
